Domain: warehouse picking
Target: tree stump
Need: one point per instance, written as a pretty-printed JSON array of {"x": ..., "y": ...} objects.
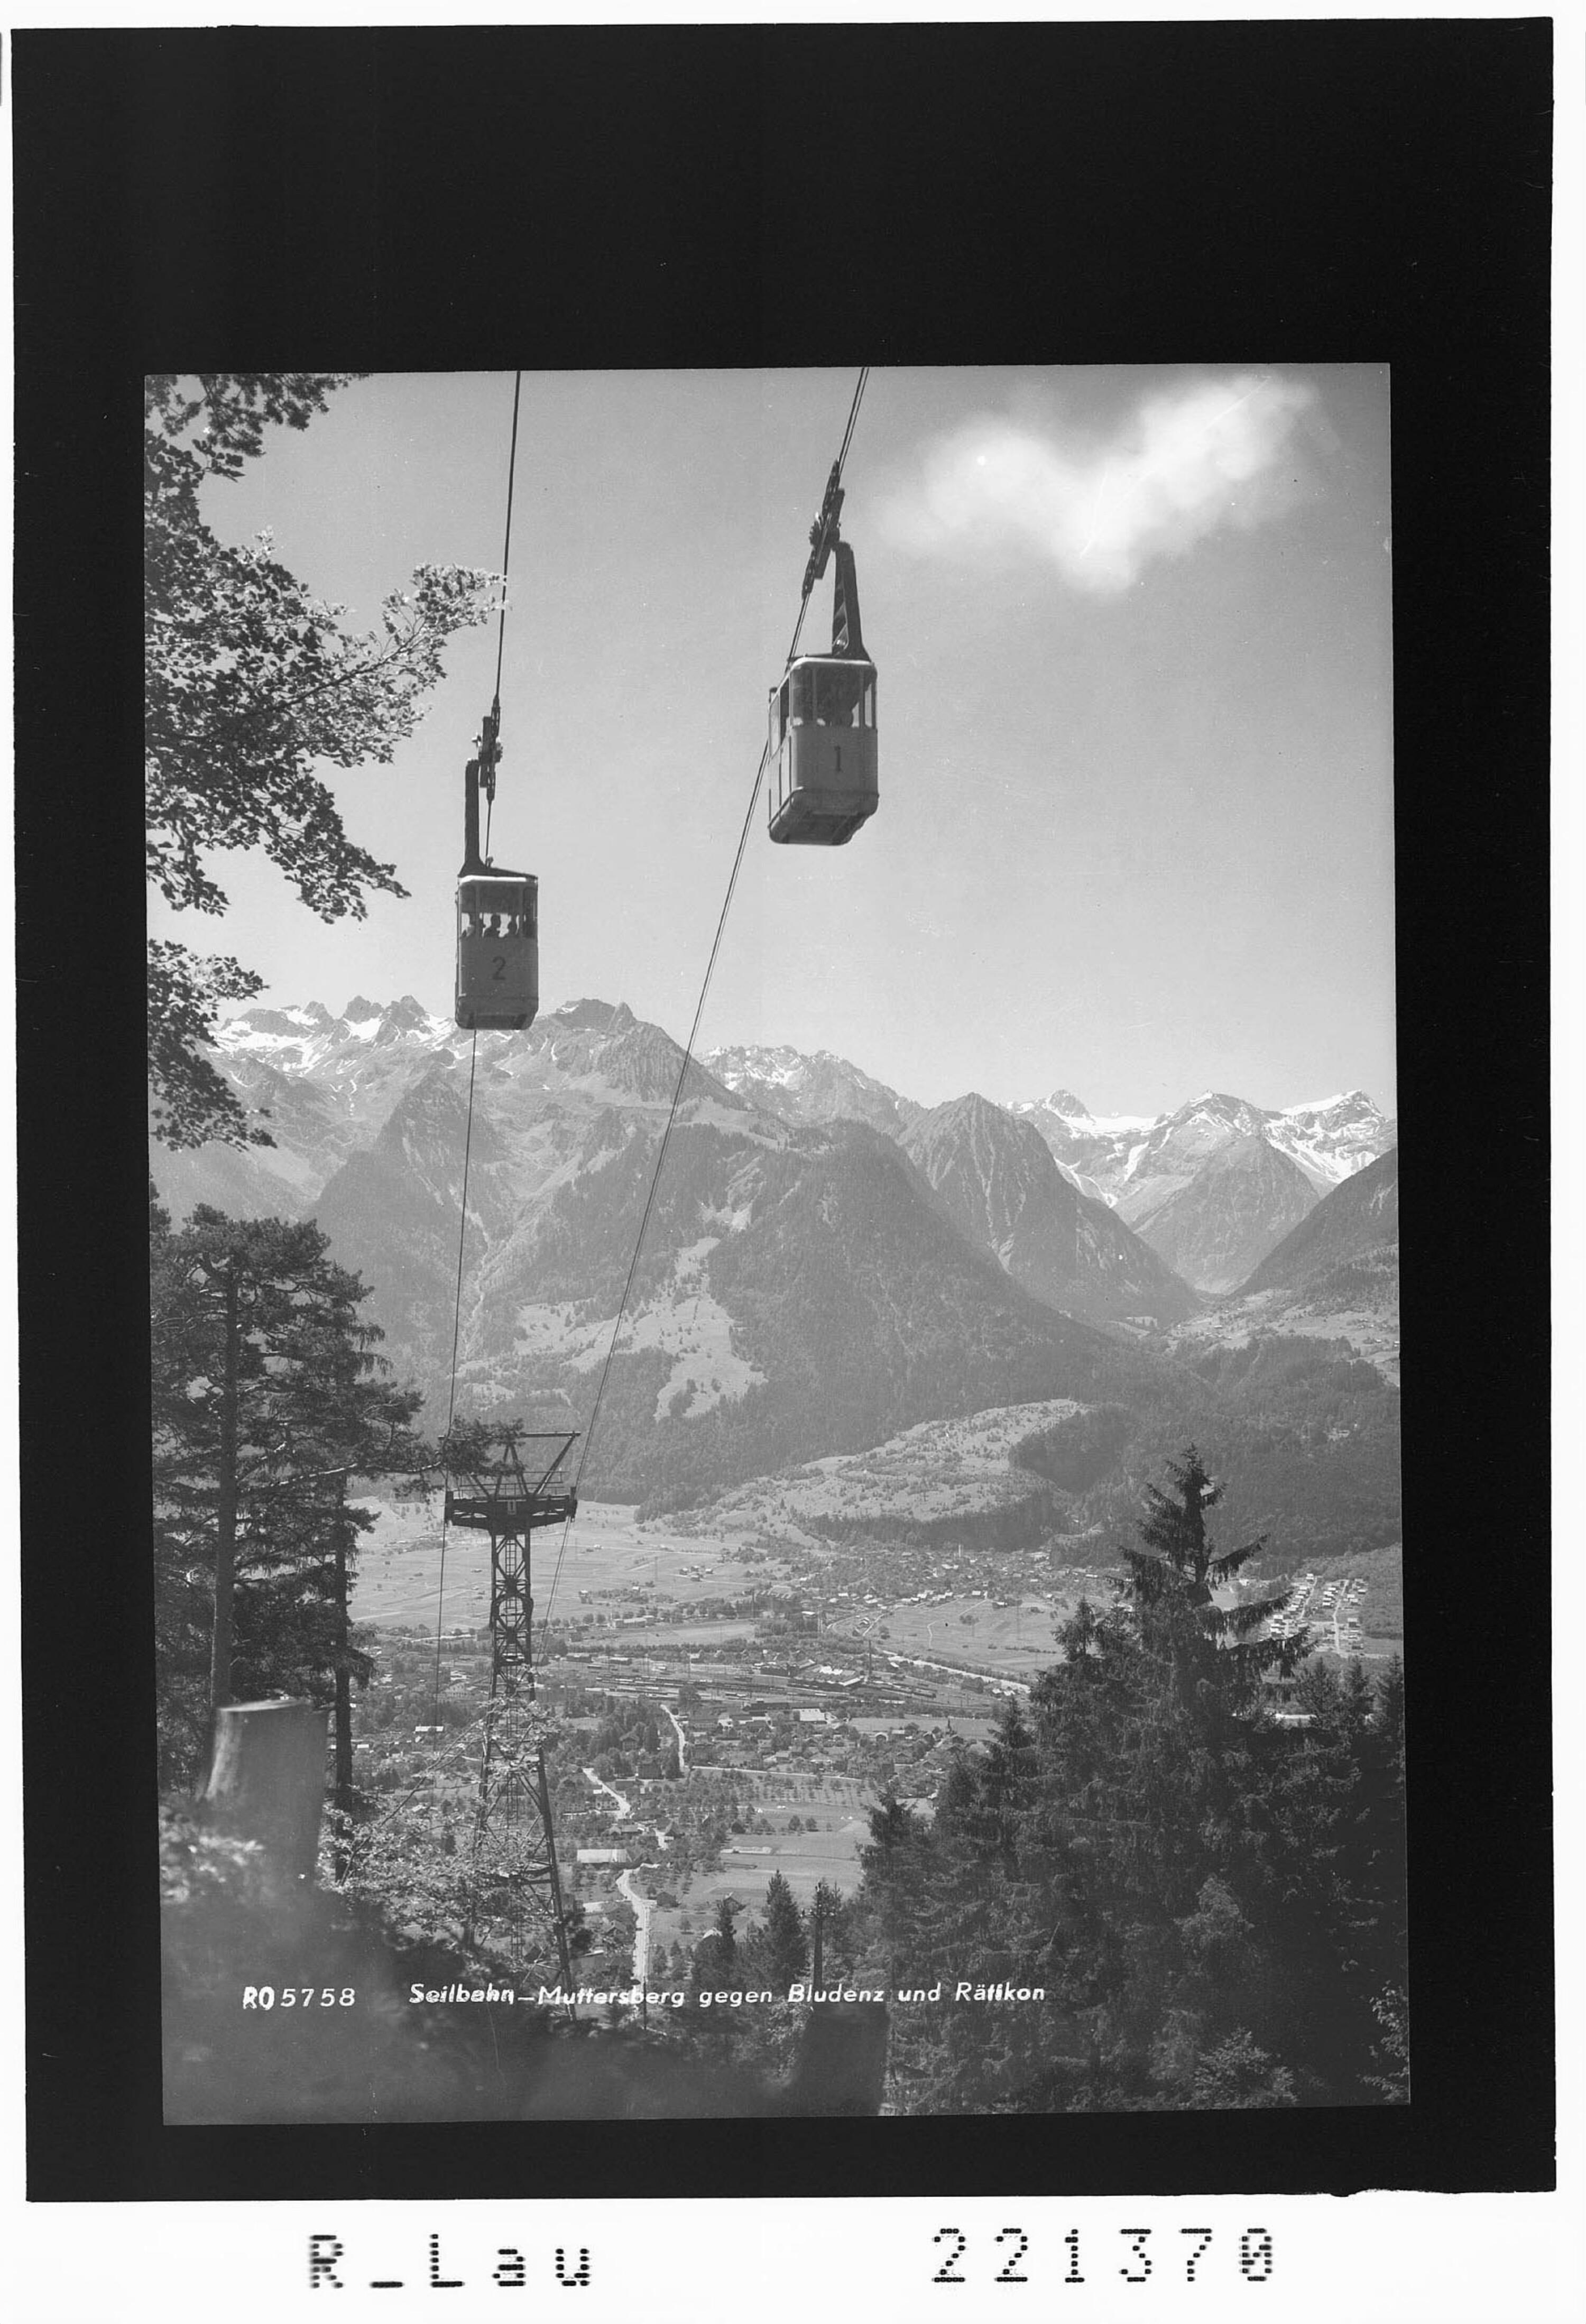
[{"x": 267, "y": 1779}]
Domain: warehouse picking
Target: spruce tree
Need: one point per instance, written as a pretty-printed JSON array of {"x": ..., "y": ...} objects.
[
  {"x": 831, "y": 1933},
  {"x": 1215, "y": 1653},
  {"x": 1211, "y": 1902},
  {"x": 1389, "y": 1712},
  {"x": 783, "y": 1939},
  {"x": 268, "y": 1400},
  {"x": 726, "y": 1935}
]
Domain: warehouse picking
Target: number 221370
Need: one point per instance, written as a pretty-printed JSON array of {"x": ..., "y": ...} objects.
[{"x": 1142, "y": 2252}]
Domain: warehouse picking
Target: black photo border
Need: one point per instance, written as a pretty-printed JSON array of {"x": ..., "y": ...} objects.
[{"x": 393, "y": 199}]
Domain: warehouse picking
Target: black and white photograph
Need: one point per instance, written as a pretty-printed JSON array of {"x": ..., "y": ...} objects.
[
  {"x": 776, "y": 1432},
  {"x": 756, "y": 766}
]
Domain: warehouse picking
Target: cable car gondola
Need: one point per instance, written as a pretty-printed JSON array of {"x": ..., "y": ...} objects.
[
  {"x": 822, "y": 763},
  {"x": 498, "y": 917}
]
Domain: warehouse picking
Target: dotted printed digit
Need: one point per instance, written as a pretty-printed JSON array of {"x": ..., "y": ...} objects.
[
  {"x": 1136, "y": 2236},
  {"x": 944, "y": 2274},
  {"x": 1204, "y": 2234},
  {"x": 1005, "y": 2273},
  {"x": 1255, "y": 2255}
]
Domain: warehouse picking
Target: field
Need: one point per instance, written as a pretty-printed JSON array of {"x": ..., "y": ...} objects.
[
  {"x": 1013, "y": 1640},
  {"x": 931, "y": 1473},
  {"x": 1373, "y": 1331},
  {"x": 399, "y": 1566},
  {"x": 747, "y": 1861},
  {"x": 609, "y": 1551}
]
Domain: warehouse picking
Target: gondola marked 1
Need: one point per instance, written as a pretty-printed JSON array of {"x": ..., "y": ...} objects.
[{"x": 821, "y": 759}]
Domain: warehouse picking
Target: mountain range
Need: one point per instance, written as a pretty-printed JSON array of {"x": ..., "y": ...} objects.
[
  {"x": 996, "y": 1177},
  {"x": 1127, "y": 1158},
  {"x": 826, "y": 1264},
  {"x": 1211, "y": 1188}
]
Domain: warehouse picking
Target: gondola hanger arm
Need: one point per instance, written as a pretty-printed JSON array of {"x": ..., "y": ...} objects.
[
  {"x": 823, "y": 533},
  {"x": 490, "y": 748}
]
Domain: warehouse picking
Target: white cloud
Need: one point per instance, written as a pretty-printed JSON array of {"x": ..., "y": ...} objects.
[{"x": 1213, "y": 454}]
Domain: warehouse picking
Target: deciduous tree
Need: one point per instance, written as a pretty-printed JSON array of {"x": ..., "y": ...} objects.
[{"x": 251, "y": 685}]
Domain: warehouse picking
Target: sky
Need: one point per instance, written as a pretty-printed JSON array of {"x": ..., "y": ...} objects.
[{"x": 1133, "y": 627}]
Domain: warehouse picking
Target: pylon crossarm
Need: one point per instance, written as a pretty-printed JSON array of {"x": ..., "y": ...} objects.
[{"x": 509, "y": 1513}]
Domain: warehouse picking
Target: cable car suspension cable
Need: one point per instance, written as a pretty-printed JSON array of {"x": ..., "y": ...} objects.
[
  {"x": 452, "y": 1400},
  {"x": 816, "y": 530},
  {"x": 501, "y": 641},
  {"x": 501, "y": 635}
]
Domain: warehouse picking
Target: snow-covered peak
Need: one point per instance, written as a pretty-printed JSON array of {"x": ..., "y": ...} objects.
[
  {"x": 1332, "y": 1137},
  {"x": 1325, "y": 1104},
  {"x": 263, "y": 1027},
  {"x": 304, "y": 1033},
  {"x": 1113, "y": 1125},
  {"x": 783, "y": 1067},
  {"x": 1219, "y": 1102},
  {"x": 586, "y": 1016},
  {"x": 1062, "y": 1109},
  {"x": 1072, "y": 1109},
  {"x": 1345, "y": 1105},
  {"x": 804, "y": 1087}
]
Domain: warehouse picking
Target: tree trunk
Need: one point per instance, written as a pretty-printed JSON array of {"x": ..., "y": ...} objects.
[
  {"x": 344, "y": 1681},
  {"x": 225, "y": 1505},
  {"x": 267, "y": 1778}
]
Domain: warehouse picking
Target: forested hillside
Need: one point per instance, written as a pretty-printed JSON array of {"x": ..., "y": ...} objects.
[
  {"x": 1306, "y": 1435},
  {"x": 1207, "y": 1908}
]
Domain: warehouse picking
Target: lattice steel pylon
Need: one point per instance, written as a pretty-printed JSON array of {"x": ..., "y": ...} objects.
[{"x": 514, "y": 1889}]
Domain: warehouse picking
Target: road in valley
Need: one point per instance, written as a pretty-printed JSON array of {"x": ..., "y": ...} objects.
[
  {"x": 624, "y": 1807},
  {"x": 643, "y": 1906}
]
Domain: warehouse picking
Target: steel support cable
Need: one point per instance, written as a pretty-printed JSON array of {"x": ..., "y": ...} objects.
[
  {"x": 688, "y": 1057},
  {"x": 654, "y": 1184},
  {"x": 506, "y": 552},
  {"x": 452, "y": 1400},
  {"x": 852, "y": 416},
  {"x": 501, "y": 635},
  {"x": 501, "y": 642}
]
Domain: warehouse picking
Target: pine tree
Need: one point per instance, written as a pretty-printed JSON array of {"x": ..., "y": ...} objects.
[
  {"x": 1216, "y": 1655},
  {"x": 895, "y": 1865},
  {"x": 1335, "y": 1904},
  {"x": 784, "y": 1942},
  {"x": 831, "y": 1933},
  {"x": 726, "y": 1934},
  {"x": 1389, "y": 1712},
  {"x": 1211, "y": 1902},
  {"x": 268, "y": 1399}
]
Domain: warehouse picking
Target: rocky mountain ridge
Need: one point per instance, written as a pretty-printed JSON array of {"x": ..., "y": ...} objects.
[
  {"x": 806, "y": 1287},
  {"x": 1221, "y": 1220},
  {"x": 1334, "y": 1277},
  {"x": 1001, "y": 1185},
  {"x": 1122, "y": 1156},
  {"x": 1276, "y": 1162},
  {"x": 326, "y": 1084}
]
